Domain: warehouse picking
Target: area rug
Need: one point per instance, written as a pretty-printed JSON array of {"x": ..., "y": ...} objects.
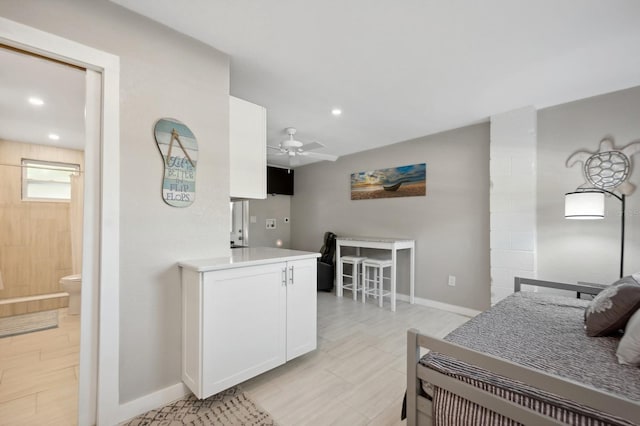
[
  {"x": 26, "y": 323},
  {"x": 231, "y": 407}
]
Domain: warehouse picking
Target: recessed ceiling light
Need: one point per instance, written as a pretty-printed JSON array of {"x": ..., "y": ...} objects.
[
  {"x": 54, "y": 137},
  {"x": 36, "y": 101},
  {"x": 336, "y": 111}
]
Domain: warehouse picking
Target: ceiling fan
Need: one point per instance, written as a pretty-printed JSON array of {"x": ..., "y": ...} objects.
[{"x": 294, "y": 148}]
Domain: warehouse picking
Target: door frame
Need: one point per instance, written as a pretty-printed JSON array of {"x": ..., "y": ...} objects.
[{"x": 98, "y": 397}]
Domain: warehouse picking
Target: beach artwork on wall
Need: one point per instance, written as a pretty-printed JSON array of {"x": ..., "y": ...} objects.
[
  {"x": 402, "y": 181},
  {"x": 179, "y": 150}
]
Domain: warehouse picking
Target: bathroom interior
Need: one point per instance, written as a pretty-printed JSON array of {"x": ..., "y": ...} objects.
[{"x": 41, "y": 215}]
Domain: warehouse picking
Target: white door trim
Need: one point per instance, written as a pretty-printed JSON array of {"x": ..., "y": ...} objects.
[{"x": 99, "y": 352}]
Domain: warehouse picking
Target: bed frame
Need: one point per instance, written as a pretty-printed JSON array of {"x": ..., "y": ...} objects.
[{"x": 419, "y": 408}]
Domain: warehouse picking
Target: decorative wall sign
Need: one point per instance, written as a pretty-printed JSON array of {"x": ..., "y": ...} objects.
[
  {"x": 609, "y": 168},
  {"x": 179, "y": 150},
  {"x": 403, "y": 181}
]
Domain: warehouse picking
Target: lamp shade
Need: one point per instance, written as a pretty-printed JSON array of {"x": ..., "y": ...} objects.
[{"x": 584, "y": 205}]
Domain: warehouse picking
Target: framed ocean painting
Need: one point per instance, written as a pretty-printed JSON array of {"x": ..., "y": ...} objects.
[{"x": 402, "y": 181}]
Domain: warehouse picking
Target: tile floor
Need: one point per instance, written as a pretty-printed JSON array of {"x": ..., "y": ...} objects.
[
  {"x": 39, "y": 375},
  {"x": 357, "y": 376}
]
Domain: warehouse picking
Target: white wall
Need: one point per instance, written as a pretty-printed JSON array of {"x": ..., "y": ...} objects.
[
  {"x": 450, "y": 225},
  {"x": 276, "y": 207},
  {"x": 163, "y": 74},
  {"x": 513, "y": 199},
  {"x": 575, "y": 250}
]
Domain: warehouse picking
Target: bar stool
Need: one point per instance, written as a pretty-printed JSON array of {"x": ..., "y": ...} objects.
[
  {"x": 356, "y": 273},
  {"x": 375, "y": 286}
]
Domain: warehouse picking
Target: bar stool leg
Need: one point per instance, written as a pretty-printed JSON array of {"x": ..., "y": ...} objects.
[
  {"x": 365, "y": 284},
  {"x": 393, "y": 295},
  {"x": 381, "y": 286},
  {"x": 354, "y": 280},
  {"x": 375, "y": 283}
]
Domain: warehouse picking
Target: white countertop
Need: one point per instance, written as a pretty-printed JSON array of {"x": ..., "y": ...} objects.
[{"x": 249, "y": 256}]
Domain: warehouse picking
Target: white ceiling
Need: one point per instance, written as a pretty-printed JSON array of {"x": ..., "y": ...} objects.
[
  {"x": 398, "y": 70},
  {"x": 62, "y": 88},
  {"x": 404, "y": 69}
]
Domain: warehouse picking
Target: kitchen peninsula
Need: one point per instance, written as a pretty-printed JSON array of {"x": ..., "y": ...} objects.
[{"x": 245, "y": 314}]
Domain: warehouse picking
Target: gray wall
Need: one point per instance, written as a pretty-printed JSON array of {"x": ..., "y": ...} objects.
[
  {"x": 450, "y": 225},
  {"x": 163, "y": 74},
  {"x": 273, "y": 207},
  {"x": 574, "y": 250}
]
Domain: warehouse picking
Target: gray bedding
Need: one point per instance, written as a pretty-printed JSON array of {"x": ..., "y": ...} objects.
[{"x": 541, "y": 331}]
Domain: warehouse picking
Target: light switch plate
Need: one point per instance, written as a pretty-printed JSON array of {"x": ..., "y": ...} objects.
[
  {"x": 271, "y": 224},
  {"x": 253, "y": 219}
]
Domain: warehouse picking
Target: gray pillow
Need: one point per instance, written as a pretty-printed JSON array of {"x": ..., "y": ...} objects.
[
  {"x": 629, "y": 346},
  {"x": 610, "y": 310}
]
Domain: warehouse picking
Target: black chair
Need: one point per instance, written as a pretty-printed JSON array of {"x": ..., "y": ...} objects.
[{"x": 326, "y": 266}]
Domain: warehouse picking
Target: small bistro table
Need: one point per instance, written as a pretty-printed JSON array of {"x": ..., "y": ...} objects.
[{"x": 379, "y": 243}]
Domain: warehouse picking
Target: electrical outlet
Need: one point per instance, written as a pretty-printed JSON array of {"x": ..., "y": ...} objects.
[
  {"x": 452, "y": 280},
  {"x": 271, "y": 224}
]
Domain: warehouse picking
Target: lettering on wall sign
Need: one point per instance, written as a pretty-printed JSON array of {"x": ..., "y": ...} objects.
[{"x": 179, "y": 150}]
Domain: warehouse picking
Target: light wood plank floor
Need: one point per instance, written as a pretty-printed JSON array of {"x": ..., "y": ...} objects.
[
  {"x": 39, "y": 375},
  {"x": 357, "y": 376}
]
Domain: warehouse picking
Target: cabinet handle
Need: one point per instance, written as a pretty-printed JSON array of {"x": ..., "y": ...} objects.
[
  {"x": 291, "y": 277},
  {"x": 284, "y": 276}
]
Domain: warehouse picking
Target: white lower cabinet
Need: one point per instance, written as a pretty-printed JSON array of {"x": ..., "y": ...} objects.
[
  {"x": 240, "y": 322},
  {"x": 301, "y": 307}
]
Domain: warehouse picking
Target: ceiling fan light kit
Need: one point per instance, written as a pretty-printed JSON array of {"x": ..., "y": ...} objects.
[{"x": 291, "y": 142}]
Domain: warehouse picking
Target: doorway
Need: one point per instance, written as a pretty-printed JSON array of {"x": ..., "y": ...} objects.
[
  {"x": 98, "y": 396},
  {"x": 42, "y": 141}
]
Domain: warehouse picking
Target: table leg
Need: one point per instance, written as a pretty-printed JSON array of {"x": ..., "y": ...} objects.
[
  {"x": 394, "y": 270},
  {"x": 338, "y": 272},
  {"x": 412, "y": 274}
]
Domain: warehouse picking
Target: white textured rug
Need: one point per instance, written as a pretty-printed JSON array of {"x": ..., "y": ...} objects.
[{"x": 26, "y": 323}]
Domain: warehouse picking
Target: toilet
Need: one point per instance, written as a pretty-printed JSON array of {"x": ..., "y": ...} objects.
[{"x": 71, "y": 284}]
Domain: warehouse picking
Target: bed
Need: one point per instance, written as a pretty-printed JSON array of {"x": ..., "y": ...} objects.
[{"x": 527, "y": 360}]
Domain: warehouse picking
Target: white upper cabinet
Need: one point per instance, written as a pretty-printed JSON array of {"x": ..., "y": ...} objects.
[{"x": 247, "y": 149}]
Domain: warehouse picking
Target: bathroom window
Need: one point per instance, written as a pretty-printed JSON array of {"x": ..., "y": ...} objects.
[{"x": 47, "y": 180}]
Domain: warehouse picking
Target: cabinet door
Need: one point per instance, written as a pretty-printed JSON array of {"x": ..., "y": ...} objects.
[
  {"x": 247, "y": 149},
  {"x": 244, "y": 324},
  {"x": 301, "y": 307}
]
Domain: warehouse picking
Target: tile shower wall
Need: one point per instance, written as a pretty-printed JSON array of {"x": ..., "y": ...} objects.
[
  {"x": 512, "y": 199},
  {"x": 35, "y": 245}
]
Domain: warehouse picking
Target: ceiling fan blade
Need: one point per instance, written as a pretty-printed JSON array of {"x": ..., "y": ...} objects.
[
  {"x": 321, "y": 156},
  {"x": 279, "y": 151},
  {"x": 311, "y": 146}
]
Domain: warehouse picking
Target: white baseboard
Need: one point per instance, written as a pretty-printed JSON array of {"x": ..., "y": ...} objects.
[
  {"x": 164, "y": 396},
  {"x": 439, "y": 305},
  {"x": 157, "y": 399}
]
